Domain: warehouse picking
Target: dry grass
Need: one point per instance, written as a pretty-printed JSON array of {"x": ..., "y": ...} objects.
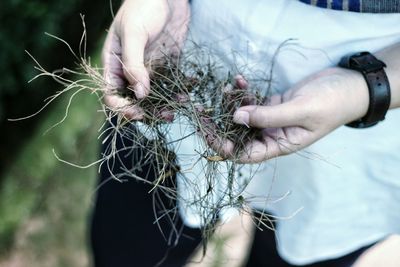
[{"x": 199, "y": 95}]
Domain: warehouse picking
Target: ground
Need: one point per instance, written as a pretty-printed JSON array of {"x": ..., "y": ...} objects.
[{"x": 45, "y": 204}]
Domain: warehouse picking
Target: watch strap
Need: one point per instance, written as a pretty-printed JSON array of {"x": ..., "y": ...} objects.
[{"x": 378, "y": 86}]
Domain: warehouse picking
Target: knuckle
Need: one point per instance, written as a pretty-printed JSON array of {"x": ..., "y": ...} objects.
[
  {"x": 258, "y": 119},
  {"x": 108, "y": 101}
]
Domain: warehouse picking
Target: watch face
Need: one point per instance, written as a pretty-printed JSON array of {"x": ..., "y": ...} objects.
[
  {"x": 365, "y": 62},
  {"x": 354, "y": 60}
]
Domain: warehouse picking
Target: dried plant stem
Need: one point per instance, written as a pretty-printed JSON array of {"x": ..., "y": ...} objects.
[{"x": 187, "y": 92}]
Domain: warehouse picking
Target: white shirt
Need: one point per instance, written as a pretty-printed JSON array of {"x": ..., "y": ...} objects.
[{"x": 344, "y": 190}]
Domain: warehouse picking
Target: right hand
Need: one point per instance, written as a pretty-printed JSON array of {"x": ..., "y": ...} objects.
[
  {"x": 305, "y": 113},
  {"x": 142, "y": 31}
]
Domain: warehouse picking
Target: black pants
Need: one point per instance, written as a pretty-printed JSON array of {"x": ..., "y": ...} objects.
[{"x": 124, "y": 234}]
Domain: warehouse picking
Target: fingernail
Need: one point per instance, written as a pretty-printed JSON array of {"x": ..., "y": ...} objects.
[
  {"x": 241, "y": 82},
  {"x": 241, "y": 117},
  {"x": 140, "y": 92}
]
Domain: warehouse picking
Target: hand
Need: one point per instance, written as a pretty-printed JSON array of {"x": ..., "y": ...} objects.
[
  {"x": 384, "y": 253},
  {"x": 143, "y": 31},
  {"x": 302, "y": 115}
]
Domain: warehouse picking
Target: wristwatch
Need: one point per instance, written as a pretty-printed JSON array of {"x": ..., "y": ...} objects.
[{"x": 378, "y": 86}]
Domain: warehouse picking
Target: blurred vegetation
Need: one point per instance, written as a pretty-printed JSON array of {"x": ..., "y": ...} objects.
[
  {"x": 44, "y": 204},
  {"x": 23, "y": 26}
]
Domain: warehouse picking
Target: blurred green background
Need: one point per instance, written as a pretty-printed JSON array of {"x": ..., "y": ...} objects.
[{"x": 45, "y": 204}]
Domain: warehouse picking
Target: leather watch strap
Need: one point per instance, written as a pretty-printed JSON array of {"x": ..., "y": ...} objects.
[{"x": 378, "y": 86}]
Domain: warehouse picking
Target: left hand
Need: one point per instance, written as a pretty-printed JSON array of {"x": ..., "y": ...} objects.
[
  {"x": 305, "y": 113},
  {"x": 143, "y": 32}
]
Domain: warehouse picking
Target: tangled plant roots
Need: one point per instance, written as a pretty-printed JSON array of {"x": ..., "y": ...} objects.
[{"x": 194, "y": 93}]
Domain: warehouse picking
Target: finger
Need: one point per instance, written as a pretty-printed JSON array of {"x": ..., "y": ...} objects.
[
  {"x": 282, "y": 115},
  {"x": 241, "y": 82},
  {"x": 273, "y": 100},
  {"x": 133, "y": 47},
  {"x": 257, "y": 151},
  {"x": 124, "y": 107},
  {"x": 229, "y": 99},
  {"x": 235, "y": 95},
  {"x": 111, "y": 57},
  {"x": 248, "y": 99},
  {"x": 221, "y": 146},
  {"x": 166, "y": 114},
  {"x": 115, "y": 79},
  {"x": 274, "y": 143},
  {"x": 182, "y": 98}
]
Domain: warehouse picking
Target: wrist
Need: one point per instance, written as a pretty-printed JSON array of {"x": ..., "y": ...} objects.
[
  {"x": 353, "y": 93},
  {"x": 178, "y": 4},
  {"x": 356, "y": 89}
]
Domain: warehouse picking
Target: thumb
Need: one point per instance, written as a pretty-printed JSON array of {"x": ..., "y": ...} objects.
[
  {"x": 281, "y": 115},
  {"x": 133, "y": 46}
]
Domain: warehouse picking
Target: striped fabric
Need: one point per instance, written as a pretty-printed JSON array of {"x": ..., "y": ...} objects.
[{"x": 365, "y": 6}]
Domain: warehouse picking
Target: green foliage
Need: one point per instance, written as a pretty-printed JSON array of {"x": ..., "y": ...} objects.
[
  {"x": 23, "y": 26},
  {"x": 34, "y": 186},
  {"x": 24, "y": 23},
  {"x": 39, "y": 189}
]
